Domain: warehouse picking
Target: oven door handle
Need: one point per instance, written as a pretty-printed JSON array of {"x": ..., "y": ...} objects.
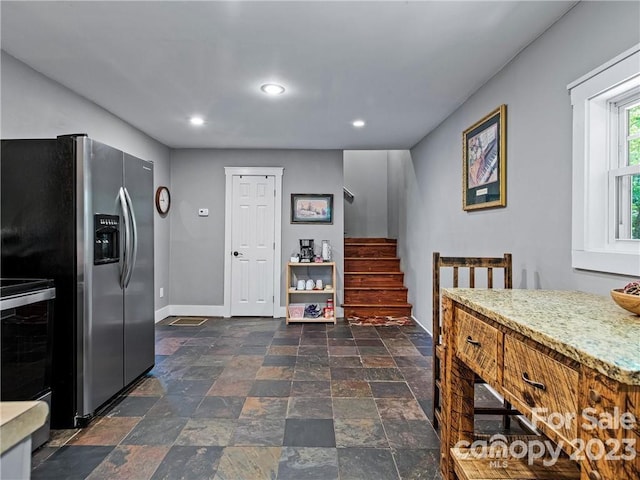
[{"x": 27, "y": 299}]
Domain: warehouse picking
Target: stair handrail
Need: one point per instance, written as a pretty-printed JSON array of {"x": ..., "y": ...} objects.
[{"x": 348, "y": 195}]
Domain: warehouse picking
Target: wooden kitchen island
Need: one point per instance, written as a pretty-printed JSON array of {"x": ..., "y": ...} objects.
[{"x": 569, "y": 361}]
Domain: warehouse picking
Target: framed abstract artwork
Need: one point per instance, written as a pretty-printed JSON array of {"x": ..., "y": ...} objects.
[{"x": 484, "y": 162}]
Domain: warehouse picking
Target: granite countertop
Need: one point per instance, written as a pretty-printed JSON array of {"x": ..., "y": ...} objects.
[
  {"x": 588, "y": 328},
  {"x": 18, "y": 420}
]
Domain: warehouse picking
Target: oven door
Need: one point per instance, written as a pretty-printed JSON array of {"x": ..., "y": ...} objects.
[
  {"x": 26, "y": 351},
  {"x": 26, "y": 345}
]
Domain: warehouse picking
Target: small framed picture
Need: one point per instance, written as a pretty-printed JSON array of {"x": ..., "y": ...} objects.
[
  {"x": 312, "y": 208},
  {"x": 484, "y": 162}
]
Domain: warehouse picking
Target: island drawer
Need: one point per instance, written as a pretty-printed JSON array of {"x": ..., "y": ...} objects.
[
  {"x": 544, "y": 387},
  {"x": 477, "y": 345}
]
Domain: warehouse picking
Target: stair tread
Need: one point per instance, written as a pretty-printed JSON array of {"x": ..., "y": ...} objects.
[
  {"x": 374, "y": 273},
  {"x": 376, "y": 305},
  {"x": 371, "y": 258},
  {"x": 351, "y": 240},
  {"x": 371, "y": 244},
  {"x": 378, "y": 287}
]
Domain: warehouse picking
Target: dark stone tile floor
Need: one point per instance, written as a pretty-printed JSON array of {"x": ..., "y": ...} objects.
[{"x": 253, "y": 398}]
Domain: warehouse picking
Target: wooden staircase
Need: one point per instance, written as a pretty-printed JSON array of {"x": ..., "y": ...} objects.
[{"x": 373, "y": 281}]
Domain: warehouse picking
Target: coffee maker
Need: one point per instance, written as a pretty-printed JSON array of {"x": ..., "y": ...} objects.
[{"x": 306, "y": 250}]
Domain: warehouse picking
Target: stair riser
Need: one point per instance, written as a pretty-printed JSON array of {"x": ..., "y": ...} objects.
[
  {"x": 375, "y": 297},
  {"x": 373, "y": 250},
  {"x": 378, "y": 280},
  {"x": 370, "y": 240},
  {"x": 377, "y": 311},
  {"x": 377, "y": 265}
]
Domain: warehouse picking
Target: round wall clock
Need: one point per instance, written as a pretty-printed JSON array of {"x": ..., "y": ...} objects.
[{"x": 163, "y": 200}]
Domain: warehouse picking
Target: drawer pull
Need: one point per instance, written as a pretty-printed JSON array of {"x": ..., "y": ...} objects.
[
  {"x": 594, "y": 475},
  {"x": 473, "y": 342},
  {"x": 594, "y": 396},
  {"x": 525, "y": 377}
]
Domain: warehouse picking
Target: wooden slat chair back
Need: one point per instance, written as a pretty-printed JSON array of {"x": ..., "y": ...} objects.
[{"x": 468, "y": 266}]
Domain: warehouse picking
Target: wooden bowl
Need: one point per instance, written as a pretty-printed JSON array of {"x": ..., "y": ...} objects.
[{"x": 626, "y": 300}]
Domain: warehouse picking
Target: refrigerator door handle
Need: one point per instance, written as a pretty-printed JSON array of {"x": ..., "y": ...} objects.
[
  {"x": 127, "y": 238},
  {"x": 134, "y": 240}
]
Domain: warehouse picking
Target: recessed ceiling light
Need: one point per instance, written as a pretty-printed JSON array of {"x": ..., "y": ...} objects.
[
  {"x": 272, "y": 89},
  {"x": 358, "y": 123},
  {"x": 195, "y": 120}
]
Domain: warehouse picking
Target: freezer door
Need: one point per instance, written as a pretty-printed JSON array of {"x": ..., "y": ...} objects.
[
  {"x": 138, "y": 301},
  {"x": 102, "y": 358}
]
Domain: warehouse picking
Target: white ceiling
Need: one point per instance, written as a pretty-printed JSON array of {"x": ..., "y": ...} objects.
[{"x": 403, "y": 67}]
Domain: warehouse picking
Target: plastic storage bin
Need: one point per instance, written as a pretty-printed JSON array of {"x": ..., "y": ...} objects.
[{"x": 296, "y": 310}]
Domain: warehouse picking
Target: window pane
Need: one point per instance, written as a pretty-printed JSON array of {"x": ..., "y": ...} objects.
[
  {"x": 633, "y": 120},
  {"x": 628, "y": 186},
  {"x": 634, "y": 151},
  {"x": 628, "y": 207}
]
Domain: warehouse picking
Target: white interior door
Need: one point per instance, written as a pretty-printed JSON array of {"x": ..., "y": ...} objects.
[{"x": 252, "y": 245}]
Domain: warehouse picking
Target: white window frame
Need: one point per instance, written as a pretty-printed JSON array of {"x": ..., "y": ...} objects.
[
  {"x": 595, "y": 167},
  {"x": 620, "y": 200}
]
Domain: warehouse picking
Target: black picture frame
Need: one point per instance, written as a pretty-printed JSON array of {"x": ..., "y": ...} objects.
[{"x": 312, "y": 208}]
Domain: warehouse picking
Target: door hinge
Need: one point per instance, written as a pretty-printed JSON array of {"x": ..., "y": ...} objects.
[{"x": 274, "y": 245}]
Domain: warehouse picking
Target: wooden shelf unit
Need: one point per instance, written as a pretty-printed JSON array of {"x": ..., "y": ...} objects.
[{"x": 325, "y": 271}]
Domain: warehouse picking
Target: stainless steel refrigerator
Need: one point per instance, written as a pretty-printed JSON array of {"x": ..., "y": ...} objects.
[{"x": 81, "y": 213}]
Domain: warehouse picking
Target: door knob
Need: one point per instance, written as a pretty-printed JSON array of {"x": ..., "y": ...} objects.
[{"x": 237, "y": 254}]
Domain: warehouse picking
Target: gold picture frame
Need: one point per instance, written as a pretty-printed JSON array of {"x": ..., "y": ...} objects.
[{"x": 484, "y": 162}]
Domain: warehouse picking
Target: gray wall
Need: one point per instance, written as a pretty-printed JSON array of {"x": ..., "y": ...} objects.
[
  {"x": 34, "y": 106},
  {"x": 395, "y": 190},
  {"x": 365, "y": 175},
  {"x": 536, "y": 224},
  {"x": 197, "y": 243},
  {"x": 397, "y": 167}
]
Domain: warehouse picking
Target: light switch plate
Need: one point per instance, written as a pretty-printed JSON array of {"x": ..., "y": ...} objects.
[{"x": 203, "y": 212}]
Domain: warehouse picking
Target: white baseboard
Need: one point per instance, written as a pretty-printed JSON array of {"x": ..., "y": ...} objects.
[
  {"x": 162, "y": 313},
  {"x": 201, "y": 311},
  {"x": 196, "y": 310},
  {"x": 218, "y": 311}
]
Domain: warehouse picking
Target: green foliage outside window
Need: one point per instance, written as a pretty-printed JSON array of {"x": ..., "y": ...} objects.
[
  {"x": 634, "y": 159},
  {"x": 635, "y": 207}
]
